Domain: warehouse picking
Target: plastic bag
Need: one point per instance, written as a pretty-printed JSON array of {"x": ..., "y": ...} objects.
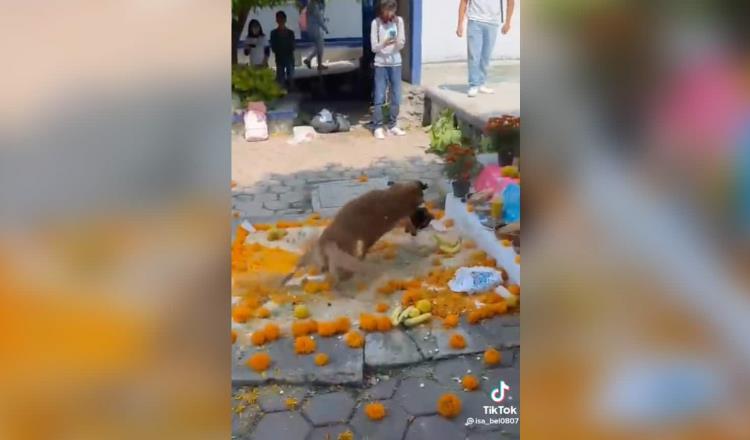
[
  {"x": 491, "y": 179},
  {"x": 256, "y": 126},
  {"x": 475, "y": 279},
  {"x": 512, "y": 203}
]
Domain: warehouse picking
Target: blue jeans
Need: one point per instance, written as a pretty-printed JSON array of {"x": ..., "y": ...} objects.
[
  {"x": 480, "y": 38},
  {"x": 284, "y": 71},
  {"x": 316, "y": 36},
  {"x": 383, "y": 76}
]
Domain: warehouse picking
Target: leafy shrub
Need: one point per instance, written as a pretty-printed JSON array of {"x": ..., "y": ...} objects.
[
  {"x": 253, "y": 84},
  {"x": 444, "y": 133}
]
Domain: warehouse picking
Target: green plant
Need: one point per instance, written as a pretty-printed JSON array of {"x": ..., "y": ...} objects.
[
  {"x": 444, "y": 133},
  {"x": 253, "y": 84},
  {"x": 461, "y": 163}
]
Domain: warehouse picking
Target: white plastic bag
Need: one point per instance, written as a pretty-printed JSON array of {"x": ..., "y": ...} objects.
[
  {"x": 256, "y": 127},
  {"x": 475, "y": 279}
]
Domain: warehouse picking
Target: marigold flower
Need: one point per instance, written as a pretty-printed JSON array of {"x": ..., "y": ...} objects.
[
  {"x": 450, "y": 321},
  {"x": 514, "y": 289},
  {"x": 327, "y": 329},
  {"x": 241, "y": 313},
  {"x": 457, "y": 341},
  {"x": 343, "y": 324},
  {"x": 381, "y": 307},
  {"x": 375, "y": 411},
  {"x": 321, "y": 359},
  {"x": 262, "y": 313},
  {"x": 354, "y": 339},
  {"x": 368, "y": 322},
  {"x": 258, "y": 338},
  {"x": 234, "y": 336},
  {"x": 469, "y": 382},
  {"x": 383, "y": 323},
  {"x": 259, "y": 361},
  {"x": 271, "y": 331},
  {"x": 492, "y": 356},
  {"x": 304, "y": 345},
  {"x": 449, "y": 405}
]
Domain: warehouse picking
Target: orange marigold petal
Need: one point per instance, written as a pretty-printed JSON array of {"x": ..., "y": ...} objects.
[
  {"x": 304, "y": 345},
  {"x": 450, "y": 321},
  {"x": 343, "y": 324},
  {"x": 272, "y": 331},
  {"x": 470, "y": 383},
  {"x": 259, "y": 361},
  {"x": 457, "y": 341},
  {"x": 321, "y": 359},
  {"x": 449, "y": 405},
  {"x": 327, "y": 329},
  {"x": 258, "y": 338},
  {"x": 375, "y": 411},
  {"x": 368, "y": 322},
  {"x": 354, "y": 339},
  {"x": 262, "y": 313},
  {"x": 381, "y": 307},
  {"x": 492, "y": 356},
  {"x": 383, "y": 323}
]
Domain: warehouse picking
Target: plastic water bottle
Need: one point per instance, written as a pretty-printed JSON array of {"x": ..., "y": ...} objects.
[{"x": 512, "y": 203}]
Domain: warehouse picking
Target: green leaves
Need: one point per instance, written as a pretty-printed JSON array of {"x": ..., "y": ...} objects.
[
  {"x": 253, "y": 84},
  {"x": 444, "y": 133}
]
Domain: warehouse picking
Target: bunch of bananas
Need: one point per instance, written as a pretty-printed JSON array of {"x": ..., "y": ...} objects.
[
  {"x": 412, "y": 315},
  {"x": 446, "y": 247}
]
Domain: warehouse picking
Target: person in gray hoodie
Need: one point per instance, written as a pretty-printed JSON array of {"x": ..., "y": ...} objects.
[
  {"x": 316, "y": 25},
  {"x": 387, "y": 38}
]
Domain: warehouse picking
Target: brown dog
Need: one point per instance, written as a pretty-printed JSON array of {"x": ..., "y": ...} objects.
[{"x": 359, "y": 224}]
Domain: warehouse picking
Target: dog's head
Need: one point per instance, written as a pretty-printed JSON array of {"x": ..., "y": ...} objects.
[{"x": 421, "y": 218}]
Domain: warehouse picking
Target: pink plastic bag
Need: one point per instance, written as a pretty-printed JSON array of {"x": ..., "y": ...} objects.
[{"x": 491, "y": 179}]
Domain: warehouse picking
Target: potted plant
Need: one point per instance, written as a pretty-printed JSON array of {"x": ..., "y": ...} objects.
[
  {"x": 505, "y": 137},
  {"x": 461, "y": 165}
]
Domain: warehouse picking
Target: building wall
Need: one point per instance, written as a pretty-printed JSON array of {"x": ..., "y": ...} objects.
[{"x": 439, "y": 40}]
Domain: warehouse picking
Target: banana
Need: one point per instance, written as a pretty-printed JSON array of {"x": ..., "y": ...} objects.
[
  {"x": 451, "y": 249},
  {"x": 414, "y": 312},
  {"x": 406, "y": 314},
  {"x": 424, "y": 317},
  {"x": 395, "y": 315},
  {"x": 442, "y": 243}
]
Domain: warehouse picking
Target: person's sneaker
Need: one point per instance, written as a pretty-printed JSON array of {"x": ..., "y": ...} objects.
[
  {"x": 307, "y": 63},
  {"x": 473, "y": 91},
  {"x": 396, "y": 131},
  {"x": 379, "y": 133},
  {"x": 486, "y": 90}
]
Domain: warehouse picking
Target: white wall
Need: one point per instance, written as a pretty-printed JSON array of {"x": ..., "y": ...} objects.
[
  {"x": 439, "y": 40},
  {"x": 344, "y": 19}
]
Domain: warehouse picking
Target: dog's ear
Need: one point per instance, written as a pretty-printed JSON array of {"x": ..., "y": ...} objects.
[
  {"x": 391, "y": 183},
  {"x": 423, "y": 185}
]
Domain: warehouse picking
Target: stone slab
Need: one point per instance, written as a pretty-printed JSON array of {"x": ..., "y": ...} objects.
[
  {"x": 325, "y": 409},
  {"x": 392, "y": 426},
  {"x": 390, "y": 349},
  {"x": 281, "y": 425},
  {"x": 419, "y": 395},
  {"x": 433, "y": 428},
  {"x": 337, "y": 193},
  {"x": 345, "y": 364}
]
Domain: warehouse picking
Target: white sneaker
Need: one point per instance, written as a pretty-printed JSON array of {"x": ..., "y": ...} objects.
[
  {"x": 486, "y": 90},
  {"x": 473, "y": 91},
  {"x": 396, "y": 131},
  {"x": 379, "y": 133}
]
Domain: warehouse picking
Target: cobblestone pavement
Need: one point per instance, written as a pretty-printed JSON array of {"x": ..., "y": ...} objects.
[
  {"x": 409, "y": 394},
  {"x": 291, "y": 195}
]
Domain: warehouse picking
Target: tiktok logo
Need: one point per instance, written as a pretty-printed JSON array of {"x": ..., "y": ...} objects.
[{"x": 498, "y": 394}]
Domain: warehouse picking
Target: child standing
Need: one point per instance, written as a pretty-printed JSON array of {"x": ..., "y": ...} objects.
[
  {"x": 282, "y": 44},
  {"x": 387, "y": 38},
  {"x": 256, "y": 45}
]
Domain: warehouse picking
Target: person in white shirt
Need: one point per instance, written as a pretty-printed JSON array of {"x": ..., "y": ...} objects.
[
  {"x": 255, "y": 45},
  {"x": 481, "y": 32},
  {"x": 387, "y": 38}
]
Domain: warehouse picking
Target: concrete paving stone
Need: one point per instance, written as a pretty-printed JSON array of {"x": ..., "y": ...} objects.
[
  {"x": 266, "y": 197},
  {"x": 390, "y": 349},
  {"x": 243, "y": 198},
  {"x": 422, "y": 337},
  {"x": 329, "y": 432},
  {"x": 275, "y": 205},
  {"x": 418, "y": 396},
  {"x": 382, "y": 390},
  {"x": 252, "y": 209},
  {"x": 280, "y": 189},
  {"x": 294, "y": 181},
  {"x": 392, "y": 426},
  {"x": 433, "y": 428},
  {"x": 345, "y": 364},
  {"x": 275, "y": 179},
  {"x": 274, "y": 398},
  {"x": 292, "y": 197},
  {"x": 325, "y": 409},
  {"x": 242, "y": 424},
  {"x": 475, "y": 340},
  {"x": 498, "y": 334},
  {"x": 282, "y": 425}
]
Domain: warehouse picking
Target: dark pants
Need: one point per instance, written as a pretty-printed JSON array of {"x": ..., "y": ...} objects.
[
  {"x": 284, "y": 71},
  {"x": 390, "y": 75}
]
